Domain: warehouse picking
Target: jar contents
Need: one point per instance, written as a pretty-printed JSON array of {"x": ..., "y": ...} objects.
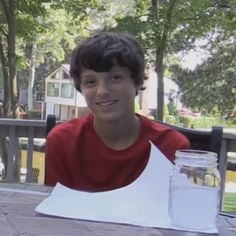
[{"x": 194, "y": 190}]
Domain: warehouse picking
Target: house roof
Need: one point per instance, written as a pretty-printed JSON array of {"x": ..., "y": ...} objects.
[{"x": 66, "y": 67}]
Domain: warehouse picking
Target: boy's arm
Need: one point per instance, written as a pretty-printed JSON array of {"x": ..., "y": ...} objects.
[{"x": 54, "y": 166}]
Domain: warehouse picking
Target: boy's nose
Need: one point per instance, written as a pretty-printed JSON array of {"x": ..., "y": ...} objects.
[{"x": 102, "y": 88}]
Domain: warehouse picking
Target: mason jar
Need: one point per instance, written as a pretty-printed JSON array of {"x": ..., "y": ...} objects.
[{"x": 194, "y": 194}]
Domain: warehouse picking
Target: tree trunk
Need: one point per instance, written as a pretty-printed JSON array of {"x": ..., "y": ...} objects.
[
  {"x": 160, "y": 83},
  {"x": 160, "y": 54},
  {"x": 31, "y": 78},
  {"x": 5, "y": 72},
  {"x": 12, "y": 54},
  {"x": 8, "y": 58},
  {"x": 3, "y": 154}
]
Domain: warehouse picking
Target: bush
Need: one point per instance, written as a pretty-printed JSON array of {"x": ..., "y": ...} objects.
[
  {"x": 172, "y": 108},
  {"x": 208, "y": 122},
  {"x": 186, "y": 121},
  {"x": 203, "y": 122},
  {"x": 34, "y": 115},
  {"x": 170, "y": 119}
]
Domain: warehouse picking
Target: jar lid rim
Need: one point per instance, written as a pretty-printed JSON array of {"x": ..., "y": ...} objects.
[
  {"x": 194, "y": 156},
  {"x": 195, "y": 152}
]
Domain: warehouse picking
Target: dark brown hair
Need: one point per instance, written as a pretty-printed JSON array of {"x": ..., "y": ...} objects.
[{"x": 104, "y": 50}]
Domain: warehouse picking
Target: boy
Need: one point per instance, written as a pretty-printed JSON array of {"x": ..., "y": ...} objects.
[{"x": 109, "y": 148}]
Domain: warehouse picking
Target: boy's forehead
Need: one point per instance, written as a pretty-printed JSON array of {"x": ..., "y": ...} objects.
[{"x": 114, "y": 68}]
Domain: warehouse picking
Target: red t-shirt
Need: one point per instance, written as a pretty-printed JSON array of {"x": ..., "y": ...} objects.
[{"x": 77, "y": 158}]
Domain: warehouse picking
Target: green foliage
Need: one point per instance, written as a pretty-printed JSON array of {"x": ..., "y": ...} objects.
[
  {"x": 205, "y": 122},
  {"x": 186, "y": 121},
  {"x": 188, "y": 20},
  {"x": 229, "y": 202},
  {"x": 174, "y": 26},
  {"x": 27, "y": 15},
  {"x": 172, "y": 108},
  {"x": 170, "y": 119},
  {"x": 165, "y": 110},
  {"x": 211, "y": 85},
  {"x": 137, "y": 108},
  {"x": 34, "y": 115}
]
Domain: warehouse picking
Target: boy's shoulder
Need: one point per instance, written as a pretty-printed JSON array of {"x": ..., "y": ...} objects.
[
  {"x": 167, "y": 139},
  {"x": 157, "y": 129},
  {"x": 70, "y": 127},
  {"x": 154, "y": 125}
]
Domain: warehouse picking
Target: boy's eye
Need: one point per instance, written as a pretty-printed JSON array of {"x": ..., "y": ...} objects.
[
  {"x": 117, "y": 77},
  {"x": 88, "y": 82}
]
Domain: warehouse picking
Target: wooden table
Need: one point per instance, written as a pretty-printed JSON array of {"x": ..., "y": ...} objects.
[{"x": 18, "y": 218}]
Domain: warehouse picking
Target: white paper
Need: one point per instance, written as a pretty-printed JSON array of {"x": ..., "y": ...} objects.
[{"x": 144, "y": 202}]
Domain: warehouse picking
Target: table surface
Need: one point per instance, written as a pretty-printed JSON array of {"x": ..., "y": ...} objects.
[{"x": 18, "y": 218}]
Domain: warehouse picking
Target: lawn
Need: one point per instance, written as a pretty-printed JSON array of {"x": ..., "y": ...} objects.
[{"x": 229, "y": 204}]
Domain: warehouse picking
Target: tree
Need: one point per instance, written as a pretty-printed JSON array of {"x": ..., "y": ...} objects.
[
  {"x": 26, "y": 20},
  {"x": 8, "y": 56},
  {"x": 167, "y": 27},
  {"x": 10, "y": 10},
  {"x": 13, "y": 24},
  {"x": 63, "y": 25},
  {"x": 52, "y": 43},
  {"x": 211, "y": 84}
]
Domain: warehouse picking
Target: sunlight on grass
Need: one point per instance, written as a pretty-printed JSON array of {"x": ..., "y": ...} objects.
[{"x": 229, "y": 204}]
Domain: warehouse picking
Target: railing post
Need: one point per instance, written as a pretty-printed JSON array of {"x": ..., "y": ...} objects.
[
  {"x": 223, "y": 167},
  {"x": 30, "y": 149},
  {"x": 11, "y": 154}
]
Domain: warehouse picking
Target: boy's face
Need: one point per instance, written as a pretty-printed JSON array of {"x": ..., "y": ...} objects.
[{"x": 109, "y": 95}]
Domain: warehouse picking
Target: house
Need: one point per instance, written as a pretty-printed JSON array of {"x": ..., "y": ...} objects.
[
  {"x": 61, "y": 98},
  {"x": 148, "y": 97}
]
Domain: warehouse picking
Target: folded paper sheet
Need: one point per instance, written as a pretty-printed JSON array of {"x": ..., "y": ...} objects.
[{"x": 144, "y": 202}]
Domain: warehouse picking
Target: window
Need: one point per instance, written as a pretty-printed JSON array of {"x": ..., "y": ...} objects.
[
  {"x": 67, "y": 90},
  {"x": 65, "y": 75},
  {"x": 56, "y": 75},
  {"x": 53, "y": 89}
]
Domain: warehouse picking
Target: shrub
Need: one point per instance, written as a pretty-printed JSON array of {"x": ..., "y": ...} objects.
[
  {"x": 186, "y": 121},
  {"x": 34, "y": 115},
  {"x": 170, "y": 119}
]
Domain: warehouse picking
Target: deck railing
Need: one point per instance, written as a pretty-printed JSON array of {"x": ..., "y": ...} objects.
[
  {"x": 227, "y": 155},
  {"x": 13, "y": 129}
]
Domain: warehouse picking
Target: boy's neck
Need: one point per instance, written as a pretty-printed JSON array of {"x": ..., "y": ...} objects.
[{"x": 118, "y": 135}]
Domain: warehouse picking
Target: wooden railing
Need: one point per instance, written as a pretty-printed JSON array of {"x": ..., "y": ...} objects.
[
  {"x": 228, "y": 145},
  {"x": 13, "y": 129}
]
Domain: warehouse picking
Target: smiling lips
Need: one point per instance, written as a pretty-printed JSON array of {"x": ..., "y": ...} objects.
[{"x": 106, "y": 103}]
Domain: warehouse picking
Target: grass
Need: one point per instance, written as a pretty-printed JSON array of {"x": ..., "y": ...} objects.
[
  {"x": 229, "y": 204},
  {"x": 38, "y": 162},
  {"x": 229, "y": 201}
]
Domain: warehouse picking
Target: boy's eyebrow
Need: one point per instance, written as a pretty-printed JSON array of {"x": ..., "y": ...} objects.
[
  {"x": 116, "y": 69},
  {"x": 87, "y": 74}
]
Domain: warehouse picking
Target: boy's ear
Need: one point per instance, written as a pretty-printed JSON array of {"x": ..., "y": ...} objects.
[
  {"x": 140, "y": 88},
  {"x": 145, "y": 75}
]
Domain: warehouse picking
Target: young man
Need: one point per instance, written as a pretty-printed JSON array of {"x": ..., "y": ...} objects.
[{"x": 109, "y": 148}]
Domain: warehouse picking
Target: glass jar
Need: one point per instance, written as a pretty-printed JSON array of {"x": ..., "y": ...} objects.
[{"x": 194, "y": 190}]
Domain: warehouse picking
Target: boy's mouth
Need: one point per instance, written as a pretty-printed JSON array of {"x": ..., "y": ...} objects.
[{"x": 106, "y": 103}]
